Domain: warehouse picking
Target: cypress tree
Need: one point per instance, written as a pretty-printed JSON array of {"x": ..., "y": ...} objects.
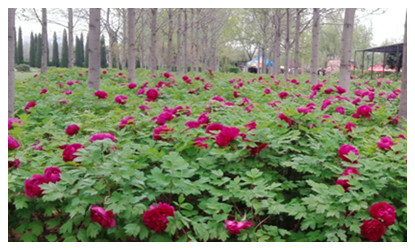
[
  {"x": 32, "y": 52},
  {"x": 86, "y": 60},
  {"x": 82, "y": 53},
  {"x": 65, "y": 50},
  {"x": 38, "y": 50},
  {"x": 77, "y": 53},
  {"x": 19, "y": 59},
  {"x": 103, "y": 53},
  {"x": 55, "y": 51}
]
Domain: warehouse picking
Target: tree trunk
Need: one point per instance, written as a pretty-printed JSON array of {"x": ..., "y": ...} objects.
[
  {"x": 170, "y": 41},
  {"x": 346, "y": 49},
  {"x": 70, "y": 39},
  {"x": 44, "y": 60},
  {"x": 11, "y": 51},
  {"x": 314, "y": 46},
  {"x": 131, "y": 45},
  {"x": 153, "y": 40},
  {"x": 297, "y": 43},
  {"x": 94, "y": 48},
  {"x": 192, "y": 41},
  {"x": 403, "y": 102},
  {"x": 198, "y": 38},
  {"x": 179, "y": 43},
  {"x": 124, "y": 46},
  {"x": 287, "y": 45},
  {"x": 277, "y": 42},
  {"x": 185, "y": 62}
]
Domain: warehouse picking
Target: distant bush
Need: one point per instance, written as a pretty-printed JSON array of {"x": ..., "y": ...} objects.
[
  {"x": 23, "y": 68},
  {"x": 234, "y": 70}
]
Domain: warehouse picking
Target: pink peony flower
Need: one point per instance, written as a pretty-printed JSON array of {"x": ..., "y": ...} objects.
[
  {"x": 267, "y": 91},
  {"x": 340, "y": 90},
  {"x": 364, "y": 110},
  {"x": 132, "y": 85},
  {"x": 325, "y": 104},
  {"x": 372, "y": 230},
  {"x": 383, "y": 211},
  {"x": 214, "y": 127},
  {"x": 152, "y": 95},
  {"x": 43, "y": 91},
  {"x": 386, "y": 143},
  {"x": 101, "y": 94},
  {"x": 199, "y": 142},
  {"x": 13, "y": 121},
  {"x": 160, "y": 130},
  {"x": 121, "y": 99},
  {"x": 13, "y": 143},
  {"x": 102, "y": 136},
  {"x": 156, "y": 217},
  {"x": 14, "y": 164},
  {"x": 29, "y": 105},
  {"x": 259, "y": 147},
  {"x": 252, "y": 125},
  {"x": 283, "y": 95},
  {"x": 72, "y": 129},
  {"x": 70, "y": 83},
  {"x": 226, "y": 135},
  {"x": 52, "y": 174},
  {"x": 69, "y": 151},
  {"x": 125, "y": 121},
  {"x": 144, "y": 107},
  {"x": 192, "y": 124},
  {"x": 349, "y": 126},
  {"x": 104, "y": 218},
  {"x": 344, "y": 150},
  {"x": 234, "y": 227},
  {"x": 340, "y": 110},
  {"x": 285, "y": 118},
  {"x": 32, "y": 188},
  {"x": 203, "y": 118},
  {"x": 328, "y": 91}
]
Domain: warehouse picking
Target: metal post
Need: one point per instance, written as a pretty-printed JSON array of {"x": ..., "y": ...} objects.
[{"x": 373, "y": 58}]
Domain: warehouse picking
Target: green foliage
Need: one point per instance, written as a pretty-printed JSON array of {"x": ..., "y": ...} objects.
[
  {"x": 22, "y": 68},
  {"x": 287, "y": 190}
]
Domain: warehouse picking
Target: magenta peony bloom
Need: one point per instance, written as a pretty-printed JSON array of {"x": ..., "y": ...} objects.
[
  {"x": 52, "y": 174},
  {"x": 14, "y": 164},
  {"x": 328, "y": 91},
  {"x": 344, "y": 150},
  {"x": 156, "y": 217},
  {"x": 12, "y": 121},
  {"x": 383, "y": 211},
  {"x": 160, "y": 130},
  {"x": 104, "y": 218},
  {"x": 340, "y": 90},
  {"x": 252, "y": 125},
  {"x": 267, "y": 91},
  {"x": 226, "y": 135},
  {"x": 132, "y": 85},
  {"x": 70, "y": 83},
  {"x": 125, "y": 121},
  {"x": 192, "y": 124},
  {"x": 199, "y": 142},
  {"x": 259, "y": 147},
  {"x": 372, "y": 230},
  {"x": 214, "y": 127},
  {"x": 101, "y": 94},
  {"x": 32, "y": 188},
  {"x": 43, "y": 91},
  {"x": 285, "y": 118},
  {"x": 72, "y": 129},
  {"x": 13, "y": 143},
  {"x": 121, "y": 99},
  {"x": 363, "y": 110},
  {"x": 235, "y": 227},
  {"x": 203, "y": 118},
  {"x": 283, "y": 95},
  {"x": 386, "y": 143},
  {"x": 152, "y": 95},
  {"x": 69, "y": 151},
  {"x": 349, "y": 171},
  {"x": 102, "y": 136},
  {"x": 325, "y": 104},
  {"x": 304, "y": 110},
  {"x": 340, "y": 110},
  {"x": 29, "y": 105},
  {"x": 344, "y": 182}
]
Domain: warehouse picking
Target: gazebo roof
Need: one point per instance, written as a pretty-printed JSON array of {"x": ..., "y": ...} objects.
[{"x": 390, "y": 49}]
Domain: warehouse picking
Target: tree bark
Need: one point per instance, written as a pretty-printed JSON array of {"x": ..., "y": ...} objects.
[
  {"x": 277, "y": 42},
  {"x": 297, "y": 43},
  {"x": 170, "y": 41},
  {"x": 314, "y": 46},
  {"x": 346, "y": 49},
  {"x": 44, "y": 60},
  {"x": 179, "y": 43},
  {"x": 11, "y": 51},
  {"x": 124, "y": 46},
  {"x": 94, "y": 48},
  {"x": 153, "y": 40},
  {"x": 70, "y": 39},
  {"x": 185, "y": 50},
  {"x": 403, "y": 101},
  {"x": 131, "y": 45}
]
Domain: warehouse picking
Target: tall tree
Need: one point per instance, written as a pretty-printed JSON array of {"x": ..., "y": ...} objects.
[
  {"x": 19, "y": 58},
  {"x": 38, "y": 60},
  {"x": 70, "y": 39},
  {"x": 44, "y": 61},
  {"x": 131, "y": 45},
  {"x": 93, "y": 50},
  {"x": 82, "y": 50},
  {"x": 153, "y": 40},
  {"x": 11, "y": 48},
  {"x": 314, "y": 46},
  {"x": 55, "y": 51},
  {"x": 86, "y": 52},
  {"x": 32, "y": 52},
  {"x": 103, "y": 53},
  {"x": 287, "y": 44},
  {"x": 179, "y": 64},
  {"x": 346, "y": 49},
  {"x": 65, "y": 50},
  {"x": 78, "y": 52},
  {"x": 170, "y": 40},
  {"x": 277, "y": 40},
  {"x": 403, "y": 101},
  {"x": 185, "y": 54}
]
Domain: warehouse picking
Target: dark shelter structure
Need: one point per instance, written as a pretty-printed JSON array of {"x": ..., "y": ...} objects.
[{"x": 394, "y": 49}]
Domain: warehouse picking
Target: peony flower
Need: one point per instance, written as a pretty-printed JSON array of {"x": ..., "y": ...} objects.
[
  {"x": 199, "y": 142},
  {"x": 132, "y": 85},
  {"x": 102, "y": 136},
  {"x": 283, "y": 95},
  {"x": 160, "y": 130},
  {"x": 259, "y": 147},
  {"x": 29, "y": 105},
  {"x": 14, "y": 164},
  {"x": 252, "y": 125},
  {"x": 72, "y": 129},
  {"x": 203, "y": 118},
  {"x": 70, "y": 83},
  {"x": 43, "y": 91},
  {"x": 340, "y": 90},
  {"x": 285, "y": 118},
  {"x": 121, "y": 99},
  {"x": 214, "y": 127},
  {"x": 344, "y": 150},
  {"x": 152, "y": 95},
  {"x": 234, "y": 227},
  {"x": 32, "y": 188},
  {"x": 383, "y": 211},
  {"x": 386, "y": 143},
  {"x": 328, "y": 91},
  {"x": 104, "y": 72},
  {"x": 69, "y": 151},
  {"x": 104, "y": 218},
  {"x": 226, "y": 135},
  {"x": 363, "y": 110},
  {"x": 267, "y": 91},
  {"x": 372, "y": 230},
  {"x": 304, "y": 110},
  {"x": 340, "y": 110},
  {"x": 13, "y": 121},
  {"x": 101, "y": 94},
  {"x": 13, "y": 143},
  {"x": 52, "y": 174},
  {"x": 325, "y": 104},
  {"x": 156, "y": 217},
  {"x": 349, "y": 126},
  {"x": 125, "y": 121}
]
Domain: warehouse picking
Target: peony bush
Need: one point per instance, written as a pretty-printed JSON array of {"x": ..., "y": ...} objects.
[{"x": 206, "y": 157}]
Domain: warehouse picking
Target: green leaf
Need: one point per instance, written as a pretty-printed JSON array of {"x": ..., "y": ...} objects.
[
  {"x": 181, "y": 198},
  {"x": 132, "y": 229},
  {"x": 21, "y": 202},
  {"x": 66, "y": 227},
  {"x": 160, "y": 237},
  {"x": 28, "y": 237},
  {"x": 93, "y": 230},
  {"x": 51, "y": 237},
  {"x": 36, "y": 227},
  {"x": 70, "y": 239}
]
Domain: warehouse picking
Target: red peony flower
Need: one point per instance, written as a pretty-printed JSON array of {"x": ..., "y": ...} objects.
[
  {"x": 252, "y": 125},
  {"x": 14, "y": 164},
  {"x": 13, "y": 143},
  {"x": 104, "y": 218},
  {"x": 121, "y": 99},
  {"x": 363, "y": 110},
  {"x": 214, "y": 127},
  {"x": 132, "y": 85},
  {"x": 52, "y": 174},
  {"x": 256, "y": 150},
  {"x": 372, "y": 230},
  {"x": 203, "y": 118},
  {"x": 285, "y": 118},
  {"x": 29, "y": 105},
  {"x": 235, "y": 227},
  {"x": 349, "y": 126},
  {"x": 69, "y": 151},
  {"x": 72, "y": 129},
  {"x": 125, "y": 121},
  {"x": 340, "y": 90},
  {"x": 101, "y": 94},
  {"x": 325, "y": 104},
  {"x": 283, "y": 95},
  {"x": 43, "y": 91},
  {"x": 340, "y": 110},
  {"x": 345, "y": 149},
  {"x": 267, "y": 91},
  {"x": 102, "y": 136},
  {"x": 32, "y": 188},
  {"x": 160, "y": 130},
  {"x": 156, "y": 217},
  {"x": 386, "y": 143},
  {"x": 13, "y": 121},
  {"x": 226, "y": 135},
  {"x": 152, "y": 95},
  {"x": 200, "y": 142},
  {"x": 383, "y": 211},
  {"x": 192, "y": 124}
]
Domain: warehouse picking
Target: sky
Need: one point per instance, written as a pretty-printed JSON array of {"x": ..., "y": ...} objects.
[{"x": 388, "y": 25}]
